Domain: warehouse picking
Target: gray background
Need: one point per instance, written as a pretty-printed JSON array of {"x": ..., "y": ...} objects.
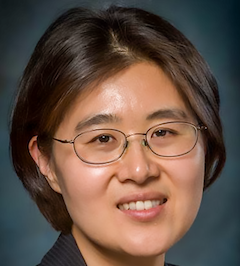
[{"x": 213, "y": 27}]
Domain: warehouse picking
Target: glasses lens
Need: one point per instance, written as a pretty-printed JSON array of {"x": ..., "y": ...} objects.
[
  {"x": 100, "y": 146},
  {"x": 172, "y": 139}
]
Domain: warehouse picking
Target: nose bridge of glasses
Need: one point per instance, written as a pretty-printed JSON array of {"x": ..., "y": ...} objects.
[{"x": 143, "y": 140}]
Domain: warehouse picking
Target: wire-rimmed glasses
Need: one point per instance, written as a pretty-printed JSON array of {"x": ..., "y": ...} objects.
[{"x": 106, "y": 145}]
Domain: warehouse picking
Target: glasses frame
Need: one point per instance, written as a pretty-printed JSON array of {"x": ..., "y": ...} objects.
[{"x": 145, "y": 142}]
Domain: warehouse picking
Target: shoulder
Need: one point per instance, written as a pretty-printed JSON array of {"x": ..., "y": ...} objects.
[{"x": 64, "y": 252}]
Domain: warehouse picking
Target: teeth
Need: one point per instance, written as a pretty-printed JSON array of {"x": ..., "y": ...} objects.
[
  {"x": 132, "y": 206},
  {"x": 141, "y": 205},
  {"x": 148, "y": 204}
]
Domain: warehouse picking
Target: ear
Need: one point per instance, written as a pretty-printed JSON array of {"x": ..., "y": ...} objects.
[{"x": 43, "y": 164}]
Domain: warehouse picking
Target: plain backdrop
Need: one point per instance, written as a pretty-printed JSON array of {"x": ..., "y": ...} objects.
[{"x": 213, "y": 27}]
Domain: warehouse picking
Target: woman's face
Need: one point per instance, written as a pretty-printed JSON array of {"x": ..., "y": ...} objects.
[{"x": 93, "y": 194}]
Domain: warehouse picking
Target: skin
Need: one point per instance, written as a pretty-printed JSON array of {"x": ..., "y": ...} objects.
[{"x": 105, "y": 234}]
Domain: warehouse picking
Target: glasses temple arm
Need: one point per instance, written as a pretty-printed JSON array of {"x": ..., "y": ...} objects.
[{"x": 63, "y": 141}]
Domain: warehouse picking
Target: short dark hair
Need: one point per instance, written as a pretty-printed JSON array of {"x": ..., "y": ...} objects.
[{"x": 82, "y": 48}]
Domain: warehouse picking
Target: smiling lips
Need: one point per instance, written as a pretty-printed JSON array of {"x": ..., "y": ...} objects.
[{"x": 141, "y": 205}]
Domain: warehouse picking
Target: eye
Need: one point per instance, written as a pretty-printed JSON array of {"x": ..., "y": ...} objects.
[
  {"x": 102, "y": 138},
  {"x": 160, "y": 133},
  {"x": 164, "y": 132}
]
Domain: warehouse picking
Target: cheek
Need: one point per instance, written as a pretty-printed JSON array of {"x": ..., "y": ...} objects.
[
  {"x": 187, "y": 178},
  {"x": 82, "y": 186},
  {"x": 188, "y": 171}
]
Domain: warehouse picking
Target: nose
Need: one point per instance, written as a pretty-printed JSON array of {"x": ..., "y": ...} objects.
[{"x": 137, "y": 163}]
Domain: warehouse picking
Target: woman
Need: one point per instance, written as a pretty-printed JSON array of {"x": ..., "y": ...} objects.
[{"x": 117, "y": 121}]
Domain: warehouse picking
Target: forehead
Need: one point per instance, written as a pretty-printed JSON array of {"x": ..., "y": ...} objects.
[{"x": 130, "y": 95}]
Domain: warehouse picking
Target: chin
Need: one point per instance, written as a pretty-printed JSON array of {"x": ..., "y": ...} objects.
[{"x": 147, "y": 247}]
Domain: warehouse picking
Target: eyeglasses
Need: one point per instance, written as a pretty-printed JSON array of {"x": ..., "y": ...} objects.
[{"x": 103, "y": 146}]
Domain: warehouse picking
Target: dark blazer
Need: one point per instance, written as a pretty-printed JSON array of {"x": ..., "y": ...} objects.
[{"x": 65, "y": 252}]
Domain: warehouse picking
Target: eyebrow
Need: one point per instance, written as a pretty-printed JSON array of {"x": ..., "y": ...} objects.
[
  {"x": 167, "y": 114},
  {"x": 96, "y": 120},
  {"x": 110, "y": 118}
]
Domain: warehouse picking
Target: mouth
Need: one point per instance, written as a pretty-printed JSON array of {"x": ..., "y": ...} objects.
[{"x": 141, "y": 205}]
